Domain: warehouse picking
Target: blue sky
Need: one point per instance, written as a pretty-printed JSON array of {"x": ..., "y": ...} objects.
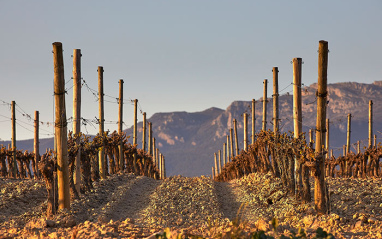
[{"x": 177, "y": 55}]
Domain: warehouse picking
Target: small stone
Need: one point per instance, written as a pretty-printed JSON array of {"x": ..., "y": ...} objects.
[
  {"x": 262, "y": 225},
  {"x": 308, "y": 220},
  {"x": 50, "y": 223},
  {"x": 310, "y": 211},
  {"x": 70, "y": 222},
  {"x": 363, "y": 218},
  {"x": 336, "y": 216},
  {"x": 371, "y": 220},
  {"x": 355, "y": 216},
  {"x": 358, "y": 224}
]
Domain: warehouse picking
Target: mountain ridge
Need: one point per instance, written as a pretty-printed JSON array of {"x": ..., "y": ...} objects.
[{"x": 189, "y": 139}]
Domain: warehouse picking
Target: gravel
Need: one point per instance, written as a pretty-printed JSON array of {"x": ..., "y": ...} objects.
[{"x": 127, "y": 206}]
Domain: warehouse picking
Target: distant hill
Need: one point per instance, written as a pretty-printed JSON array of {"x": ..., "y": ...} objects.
[{"x": 188, "y": 140}]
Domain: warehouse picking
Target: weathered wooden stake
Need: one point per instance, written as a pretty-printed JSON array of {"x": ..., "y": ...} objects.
[
  {"x": 245, "y": 131},
  {"x": 228, "y": 153},
  {"x": 275, "y": 71},
  {"x": 13, "y": 109},
  {"x": 231, "y": 143},
  {"x": 135, "y": 129},
  {"x": 320, "y": 195},
  {"x": 36, "y": 144},
  {"x": 216, "y": 165},
  {"x": 344, "y": 151},
  {"x": 358, "y": 147},
  {"x": 61, "y": 128},
  {"x": 224, "y": 155},
  {"x": 157, "y": 156},
  {"x": 348, "y": 135},
  {"x": 311, "y": 137},
  {"x": 77, "y": 114},
  {"x": 370, "y": 124},
  {"x": 375, "y": 140},
  {"x": 297, "y": 116},
  {"x": 144, "y": 132},
  {"x": 275, "y": 96},
  {"x": 265, "y": 100},
  {"x": 120, "y": 128},
  {"x": 236, "y": 138},
  {"x": 163, "y": 167},
  {"x": 220, "y": 161},
  {"x": 213, "y": 173},
  {"x": 297, "y": 107},
  {"x": 370, "y": 136},
  {"x": 327, "y": 138},
  {"x": 150, "y": 139},
  {"x": 101, "y": 157},
  {"x": 253, "y": 120},
  {"x": 160, "y": 167},
  {"x": 155, "y": 159}
]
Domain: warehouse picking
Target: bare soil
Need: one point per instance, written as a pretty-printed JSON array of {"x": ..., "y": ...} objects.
[{"x": 126, "y": 206}]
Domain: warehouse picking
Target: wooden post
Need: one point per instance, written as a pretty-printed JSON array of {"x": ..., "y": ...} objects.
[
  {"x": 120, "y": 123},
  {"x": 157, "y": 156},
  {"x": 36, "y": 144},
  {"x": 10, "y": 163},
  {"x": 144, "y": 132},
  {"x": 348, "y": 135},
  {"x": 154, "y": 153},
  {"x": 344, "y": 151},
  {"x": 311, "y": 136},
  {"x": 135, "y": 129},
  {"x": 370, "y": 136},
  {"x": 297, "y": 121},
  {"x": 213, "y": 174},
  {"x": 216, "y": 165},
  {"x": 61, "y": 128},
  {"x": 160, "y": 166},
  {"x": 375, "y": 140},
  {"x": 224, "y": 155},
  {"x": 150, "y": 139},
  {"x": 370, "y": 124},
  {"x": 220, "y": 161},
  {"x": 245, "y": 131},
  {"x": 77, "y": 114},
  {"x": 275, "y": 96},
  {"x": 275, "y": 100},
  {"x": 13, "y": 109},
  {"x": 320, "y": 195},
  {"x": 297, "y": 108},
  {"x": 358, "y": 147},
  {"x": 101, "y": 156},
  {"x": 265, "y": 100},
  {"x": 231, "y": 142},
  {"x": 253, "y": 121},
  {"x": 327, "y": 138},
  {"x": 228, "y": 153},
  {"x": 236, "y": 139},
  {"x": 164, "y": 166},
  {"x": 163, "y": 169}
]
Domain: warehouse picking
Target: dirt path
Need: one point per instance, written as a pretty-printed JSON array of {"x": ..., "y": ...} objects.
[
  {"x": 134, "y": 197},
  {"x": 228, "y": 200}
]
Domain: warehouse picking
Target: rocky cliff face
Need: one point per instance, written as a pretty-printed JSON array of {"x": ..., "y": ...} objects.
[{"x": 188, "y": 140}]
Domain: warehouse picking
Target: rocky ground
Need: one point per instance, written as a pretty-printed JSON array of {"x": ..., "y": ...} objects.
[{"x": 126, "y": 206}]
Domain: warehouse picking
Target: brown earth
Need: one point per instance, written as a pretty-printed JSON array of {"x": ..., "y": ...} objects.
[{"x": 126, "y": 206}]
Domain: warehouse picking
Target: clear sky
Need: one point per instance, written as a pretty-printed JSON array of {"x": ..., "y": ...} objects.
[{"x": 177, "y": 55}]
